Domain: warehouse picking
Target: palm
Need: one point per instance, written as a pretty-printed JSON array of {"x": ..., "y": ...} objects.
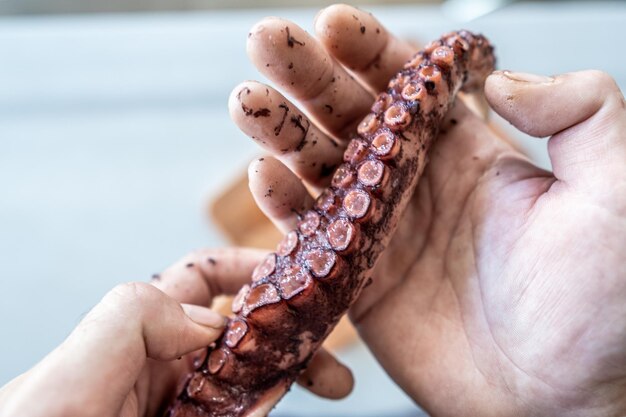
[{"x": 490, "y": 272}]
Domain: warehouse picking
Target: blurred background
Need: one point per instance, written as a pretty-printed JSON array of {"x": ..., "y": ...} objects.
[{"x": 114, "y": 137}]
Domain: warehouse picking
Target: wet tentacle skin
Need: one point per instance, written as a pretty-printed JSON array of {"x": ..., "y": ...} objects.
[{"x": 298, "y": 294}]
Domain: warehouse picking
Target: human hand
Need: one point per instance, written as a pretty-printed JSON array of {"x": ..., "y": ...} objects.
[
  {"x": 127, "y": 355},
  {"x": 502, "y": 290}
]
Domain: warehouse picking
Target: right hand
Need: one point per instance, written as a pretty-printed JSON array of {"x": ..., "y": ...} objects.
[{"x": 502, "y": 292}]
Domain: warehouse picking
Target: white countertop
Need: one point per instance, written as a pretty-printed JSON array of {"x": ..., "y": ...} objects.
[{"x": 114, "y": 132}]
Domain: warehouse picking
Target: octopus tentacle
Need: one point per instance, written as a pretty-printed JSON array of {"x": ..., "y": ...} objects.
[{"x": 298, "y": 293}]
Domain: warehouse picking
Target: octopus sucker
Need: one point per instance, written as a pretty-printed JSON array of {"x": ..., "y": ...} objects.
[
  {"x": 385, "y": 145},
  {"x": 293, "y": 281},
  {"x": 236, "y": 330},
  {"x": 356, "y": 151},
  {"x": 265, "y": 268},
  {"x": 309, "y": 224},
  {"x": 239, "y": 299},
  {"x": 286, "y": 246},
  {"x": 344, "y": 176},
  {"x": 217, "y": 359},
  {"x": 342, "y": 234},
  {"x": 357, "y": 204},
  {"x": 298, "y": 294},
  {"x": 326, "y": 202}
]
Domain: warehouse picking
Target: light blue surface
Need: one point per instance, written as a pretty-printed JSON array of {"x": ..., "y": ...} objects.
[{"x": 114, "y": 133}]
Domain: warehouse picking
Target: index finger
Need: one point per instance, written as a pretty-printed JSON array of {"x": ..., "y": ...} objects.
[{"x": 204, "y": 274}]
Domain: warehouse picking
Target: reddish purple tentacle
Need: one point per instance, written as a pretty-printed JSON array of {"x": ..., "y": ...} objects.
[{"x": 299, "y": 293}]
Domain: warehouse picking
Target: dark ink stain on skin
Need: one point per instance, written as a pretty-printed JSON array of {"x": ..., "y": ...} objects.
[
  {"x": 189, "y": 265},
  {"x": 297, "y": 121},
  {"x": 267, "y": 92},
  {"x": 309, "y": 382},
  {"x": 280, "y": 125},
  {"x": 497, "y": 173},
  {"x": 264, "y": 112},
  {"x": 362, "y": 29},
  {"x": 243, "y": 90},
  {"x": 332, "y": 80},
  {"x": 377, "y": 30},
  {"x": 328, "y": 108},
  {"x": 453, "y": 121},
  {"x": 269, "y": 192},
  {"x": 212, "y": 261},
  {"x": 291, "y": 41},
  {"x": 156, "y": 277},
  {"x": 290, "y": 66},
  {"x": 246, "y": 110}
]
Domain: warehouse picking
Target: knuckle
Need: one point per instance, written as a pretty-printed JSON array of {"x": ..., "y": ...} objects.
[
  {"x": 132, "y": 293},
  {"x": 604, "y": 81},
  {"x": 195, "y": 258},
  {"x": 131, "y": 303}
]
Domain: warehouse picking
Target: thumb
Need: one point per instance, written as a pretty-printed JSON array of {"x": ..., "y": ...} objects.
[
  {"x": 98, "y": 365},
  {"x": 584, "y": 112},
  {"x": 147, "y": 322}
]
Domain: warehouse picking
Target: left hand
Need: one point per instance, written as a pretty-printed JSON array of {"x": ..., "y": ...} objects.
[{"x": 127, "y": 355}]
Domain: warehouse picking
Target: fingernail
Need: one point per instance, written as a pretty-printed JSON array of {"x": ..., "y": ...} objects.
[
  {"x": 526, "y": 77},
  {"x": 204, "y": 316}
]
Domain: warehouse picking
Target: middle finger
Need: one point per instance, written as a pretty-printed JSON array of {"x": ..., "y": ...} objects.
[{"x": 301, "y": 67}]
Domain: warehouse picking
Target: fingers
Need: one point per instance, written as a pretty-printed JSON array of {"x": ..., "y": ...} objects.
[
  {"x": 168, "y": 329},
  {"x": 301, "y": 67},
  {"x": 278, "y": 192},
  {"x": 280, "y": 128},
  {"x": 109, "y": 348},
  {"x": 327, "y": 377},
  {"x": 357, "y": 40},
  {"x": 584, "y": 111},
  {"x": 204, "y": 274}
]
